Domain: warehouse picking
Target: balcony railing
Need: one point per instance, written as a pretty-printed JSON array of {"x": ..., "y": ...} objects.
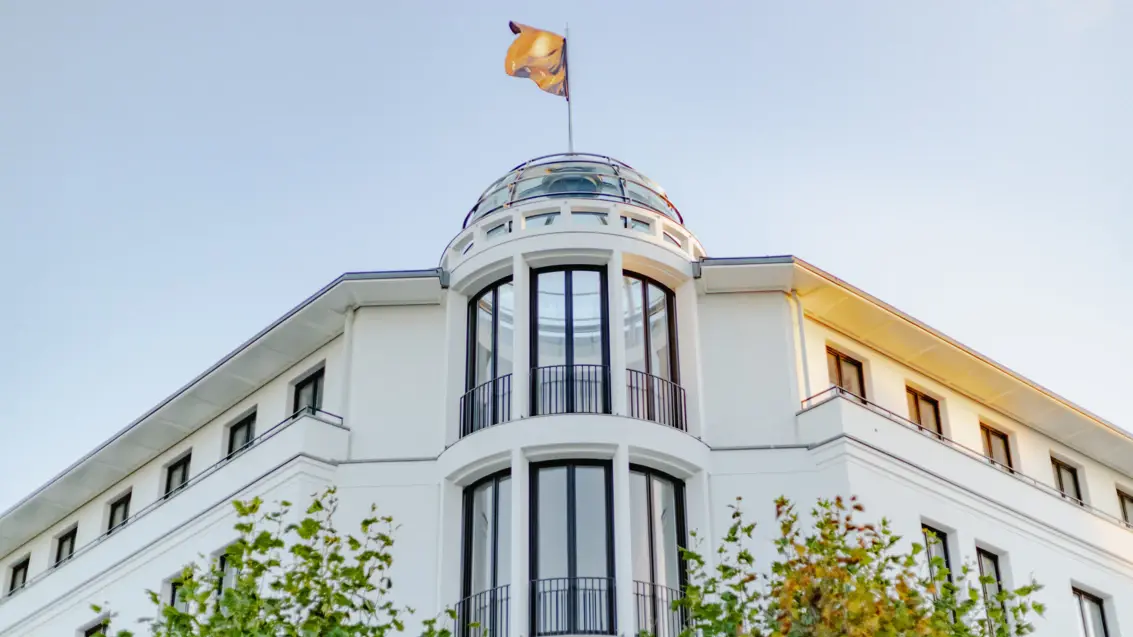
[
  {"x": 655, "y": 612},
  {"x": 572, "y": 606},
  {"x": 487, "y": 404},
  {"x": 653, "y": 398},
  {"x": 570, "y": 389},
  {"x": 484, "y": 614}
]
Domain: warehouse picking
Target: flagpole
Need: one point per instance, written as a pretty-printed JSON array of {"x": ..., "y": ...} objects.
[{"x": 570, "y": 111}]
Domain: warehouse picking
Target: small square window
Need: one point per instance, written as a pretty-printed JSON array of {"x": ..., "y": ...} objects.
[
  {"x": 19, "y": 575},
  {"x": 176, "y": 599},
  {"x": 996, "y": 446},
  {"x": 228, "y": 572},
  {"x": 177, "y": 475},
  {"x": 845, "y": 372},
  {"x": 98, "y": 630},
  {"x": 119, "y": 513},
  {"x": 65, "y": 546},
  {"x": 240, "y": 435},
  {"x": 1066, "y": 479},
  {"x": 309, "y": 393},
  {"x": 924, "y": 410}
]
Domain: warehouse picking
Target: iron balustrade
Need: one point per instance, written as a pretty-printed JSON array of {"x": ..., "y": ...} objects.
[
  {"x": 484, "y": 614},
  {"x": 654, "y": 398},
  {"x": 570, "y": 389},
  {"x": 656, "y": 610},
  {"x": 835, "y": 392},
  {"x": 487, "y": 404},
  {"x": 572, "y": 606}
]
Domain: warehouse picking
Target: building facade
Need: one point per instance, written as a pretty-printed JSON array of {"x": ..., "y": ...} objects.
[{"x": 553, "y": 410}]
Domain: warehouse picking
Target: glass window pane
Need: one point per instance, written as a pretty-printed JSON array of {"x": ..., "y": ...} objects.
[
  {"x": 484, "y": 307},
  {"x": 1095, "y": 617},
  {"x": 999, "y": 451},
  {"x": 552, "y": 522},
  {"x": 912, "y": 400},
  {"x": 551, "y": 325},
  {"x": 634, "y": 323},
  {"x": 930, "y": 417},
  {"x": 586, "y": 298},
  {"x": 665, "y": 524},
  {"x": 481, "y": 538},
  {"x": 503, "y": 547},
  {"x": 590, "y": 522},
  {"x": 852, "y": 378},
  {"x": 659, "y": 364},
  {"x": 639, "y": 526},
  {"x": 506, "y": 328},
  {"x": 833, "y": 368}
]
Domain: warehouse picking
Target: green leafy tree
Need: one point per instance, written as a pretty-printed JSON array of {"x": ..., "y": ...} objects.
[
  {"x": 841, "y": 578},
  {"x": 299, "y": 579}
]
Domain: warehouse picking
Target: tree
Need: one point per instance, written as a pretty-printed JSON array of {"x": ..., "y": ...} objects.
[
  {"x": 289, "y": 580},
  {"x": 841, "y": 578}
]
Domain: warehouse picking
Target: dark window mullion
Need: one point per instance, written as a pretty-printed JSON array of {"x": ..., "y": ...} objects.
[
  {"x": 652, "y": 587},
  {"x": 572, "y": 554},
  {"x": 568, "y": 334},
  {"x": 648, "y": 345}
]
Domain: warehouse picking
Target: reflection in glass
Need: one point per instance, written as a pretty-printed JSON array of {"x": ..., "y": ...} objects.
[
  {"x": 551, "y": 319},
  {"x": 633, "y": 319},
  {"x": 487, "y": 559},
  {"x": 571, "y": 353},
  {"x": 553, "y": 551},
  {"x": 657, "y": 527}
]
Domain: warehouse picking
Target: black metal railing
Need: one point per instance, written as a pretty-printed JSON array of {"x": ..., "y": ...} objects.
[
  {"x": 570, "y": 389},
  {"x": 653, "y": 398},
  {"x": 487, "y": 404},
  {"x": 484, "y": 614},
  {"x": 656, "y": 610},
  {"x": 572, "y": 606}
]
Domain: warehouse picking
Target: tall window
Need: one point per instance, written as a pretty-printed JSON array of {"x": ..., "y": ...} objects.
[
  {"x": 657, "y": 528},
  {"x": 924, "y": 410},
  {"x": 487, "y": 556},
  {"x": 1066, "y": 479},
  {"x": 228, "y": 572},
  {"x": 176, "y": 598},
  {"x": 936, "y": 550},
  {"x": 19, "y": 575},
  {"x": 570, "y": 351},
  {"x": 996, "y": 446},
  {"x": 1126, "y": 501},
  {"x": 240, "y": 435},
  {"x": 119, "y": 513},
  {"x": 651, "y": 353},
  {"x": 989, "y": 567},
  {"x": 177, "y": 475},
  {"x": 845, "y": 372},
  {"x": 491, "y": 326},
  {"x": 309, "y": 393},
  {"x": 65, "y": 546},
  {"x": 1092, "y": 612},
  {"x": 572, "y": 559}
]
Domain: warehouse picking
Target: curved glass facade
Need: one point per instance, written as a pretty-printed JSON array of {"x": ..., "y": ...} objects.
[{"x": 573, "y": 175}]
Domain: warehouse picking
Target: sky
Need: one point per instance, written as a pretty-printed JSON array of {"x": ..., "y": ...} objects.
[{"x": 174, "y": 176}]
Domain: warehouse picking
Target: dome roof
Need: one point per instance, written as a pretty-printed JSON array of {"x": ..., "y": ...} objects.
[{"x": 578, "y": 175}]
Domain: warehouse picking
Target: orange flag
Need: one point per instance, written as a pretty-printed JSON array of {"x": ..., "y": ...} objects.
[{"x": 539, "y": 55}]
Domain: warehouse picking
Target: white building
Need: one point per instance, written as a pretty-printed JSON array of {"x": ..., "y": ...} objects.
[{"x": 522, "y": 371}]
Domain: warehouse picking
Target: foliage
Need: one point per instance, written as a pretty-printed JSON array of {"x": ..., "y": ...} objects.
[
  {"x": 841, "y": 578},
  {"x": 298, "y": 579}
]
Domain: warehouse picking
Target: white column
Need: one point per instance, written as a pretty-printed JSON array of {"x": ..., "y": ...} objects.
[
  {"x": 456, "y": 321},
  {"x": 623, "y": 544},
  {"x": 518, "y": 623},
  {"x": 347, "y": 365},
  {"x": 617, "y": 334},
  {"x": 521, "y": 346},
  {"x": 688, "y": 355}
]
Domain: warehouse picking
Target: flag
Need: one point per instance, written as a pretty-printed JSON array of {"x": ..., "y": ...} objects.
[{"x": 539, "y": 55}]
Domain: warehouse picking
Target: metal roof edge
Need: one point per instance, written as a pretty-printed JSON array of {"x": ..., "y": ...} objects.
[{"x": 345, "y": 277}]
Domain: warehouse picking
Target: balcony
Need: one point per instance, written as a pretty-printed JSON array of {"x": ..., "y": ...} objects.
[
  {"x": 653, "y": 398},
  {"x": 572, "y": 606},
  {"x": 654, "y": 610},
  {"x": 570, "y": 389},
  {"x": 485, "y": 405},
  {"x": 484, "y": 614}
]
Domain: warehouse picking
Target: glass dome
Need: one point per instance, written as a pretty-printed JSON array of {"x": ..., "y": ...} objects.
[{"x": 573, "y": 175}]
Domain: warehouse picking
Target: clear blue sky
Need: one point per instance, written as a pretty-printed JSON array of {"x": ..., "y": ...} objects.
[{"x": 176, "y": 175}]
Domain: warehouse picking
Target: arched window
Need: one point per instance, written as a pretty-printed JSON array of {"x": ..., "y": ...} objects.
[
  {"x": 657, "y": 529},
  {"x": 487, "y": 557},
  {"x": 649, "y": 321},
  {"x": 491, "y": 324}
]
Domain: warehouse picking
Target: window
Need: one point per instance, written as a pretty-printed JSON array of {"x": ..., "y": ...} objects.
[
  {"x": 936, "y": 546},
  {"x": 19, "y": 576},
  {"x": 65, "y": 546},
  {"x": 1126, "y": 501},
  {"x": 629, "y": 223},
  {"x": 309, "y": 393},
  {"x": 487, "y": 555},
  {"x": 177, "y": 475},
  {"x": 657, "y": 529},
  {"x": 845, "y": 372},
  {"x": 240, "y": 435},
  {"x": 651, "y": 352},
  {"x": 176, "y": 599},
  {"x": 989, "y": 567},
  {"x": 228, "y": 572},
  {"x": 98, "y": 629},
  {"x": 572, "y": 549},
  {"x": 924, "y": 410},
  {"x": 570, "y": 351},
  {"x": 1066, "y": 479},
  {"x": 1092, "y": 612},
  {"x": 491, "y": 329},
  {"x": 996, "y": 446},
  {"x": 119, "y": 513}
]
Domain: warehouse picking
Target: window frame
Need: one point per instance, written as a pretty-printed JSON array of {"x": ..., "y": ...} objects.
[
  {"x": 841, "y": 356},
  {"x": 981, "y": 553},
  {"x": 466, "y": 516},
  {"x": 247, "y": 422},
  {"x": 986, "y": 433},
  {"x": 184, "y": 461},
  {"x": 670, "y": 310},
  {"x": 1057, "y": 465},
  {"x": 472, "y": 327},
  {"x": 1126, "y": 502},
  {"x": 122, "y": 500},
  {"x": 942, "y": 536},
  {"x": 681, "y": 519},
  {"x": 68, "y": 538},
  {"x": 1082, "y": 596},
  {"x": 97, "y": 628},
  {"x": 22, "y": 566},
  {"x": 916, "y": 418},
  {"x": 316, "y": 378}
]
